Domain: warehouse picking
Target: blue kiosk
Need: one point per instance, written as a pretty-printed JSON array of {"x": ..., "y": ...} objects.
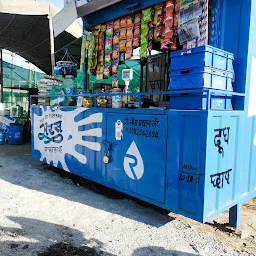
[{"x": 197, "y": 163}]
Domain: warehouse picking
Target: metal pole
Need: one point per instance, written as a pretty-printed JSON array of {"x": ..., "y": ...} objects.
[
  {"x": 52, "y": 45},
  {"x": 1, "y": 75},
  {"x": 141, "y": 76},
  {"x": 35, "y": 76},
  {"x": 12, "y": 82},
  {"x": 85, "y": 67}
]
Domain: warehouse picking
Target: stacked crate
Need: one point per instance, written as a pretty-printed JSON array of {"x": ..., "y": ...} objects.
[{"x": 201, "y": 68}]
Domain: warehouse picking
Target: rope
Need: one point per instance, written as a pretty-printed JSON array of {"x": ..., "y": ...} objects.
[
  {"x": 69, "y": 57},
  {"x": 34, "y": 46},
  {"x": 8, "y": 24}
]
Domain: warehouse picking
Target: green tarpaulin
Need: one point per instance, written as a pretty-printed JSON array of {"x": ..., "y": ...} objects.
[
  {"x": 18, "y": 77},
  {"x": 15, "y": 82}
]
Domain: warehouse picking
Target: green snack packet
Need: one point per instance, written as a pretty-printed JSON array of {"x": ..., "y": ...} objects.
[
  {"x": 144, "y": 32},
  {"x": 91, "y": 53},
  {"x": 144, "y": 51},
  {"x": 144, "y": 26},
  {"x": 144, "y": 40},
  {"x": 83, "y": 52},
  {"x": 147, "y": 15}
]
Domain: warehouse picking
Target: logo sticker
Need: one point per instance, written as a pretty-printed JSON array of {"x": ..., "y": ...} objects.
[
  {"x": 119, "y": 130},
  {"x": 133, "y": 163}
]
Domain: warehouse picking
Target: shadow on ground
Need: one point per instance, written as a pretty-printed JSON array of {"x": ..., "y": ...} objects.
[
  {"x": 35, "y": 237},
  {"x": 18, "y": 167},
  {"x": 159, "y": 251}
]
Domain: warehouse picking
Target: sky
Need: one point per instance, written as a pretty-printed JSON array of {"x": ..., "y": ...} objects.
[
  {"x": 19, "y": 61},
  {"x": 58, "y": 3}
]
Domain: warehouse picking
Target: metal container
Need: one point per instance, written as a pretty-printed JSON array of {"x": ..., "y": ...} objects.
[{"x": 188, "y": 162}]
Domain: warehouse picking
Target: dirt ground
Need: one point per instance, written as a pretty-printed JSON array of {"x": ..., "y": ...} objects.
[
  {"x": 242, "y": 239},
  {"x": 47, "y": 212}
]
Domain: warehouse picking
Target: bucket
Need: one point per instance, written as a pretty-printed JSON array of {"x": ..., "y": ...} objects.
[
  {"x": 2, "y": 138},
  {"x": 69, "y": 85},
  {"x": 15, "y": 136},
  {"x": 116, "y": 100}
]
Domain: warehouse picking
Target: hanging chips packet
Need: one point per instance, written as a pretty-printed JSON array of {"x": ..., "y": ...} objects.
[{"x": 146, "y": 15}]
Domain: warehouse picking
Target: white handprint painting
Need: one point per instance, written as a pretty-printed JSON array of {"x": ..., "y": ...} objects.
[{"x": 59, "y": 132}]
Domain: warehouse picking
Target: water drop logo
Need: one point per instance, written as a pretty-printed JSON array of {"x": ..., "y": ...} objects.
[{"x": 133, "y": 163}]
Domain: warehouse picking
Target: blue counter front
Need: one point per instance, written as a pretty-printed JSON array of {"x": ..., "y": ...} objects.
[{"x": 188, "y": 162}]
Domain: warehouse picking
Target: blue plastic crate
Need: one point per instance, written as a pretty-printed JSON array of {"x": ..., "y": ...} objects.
[
  {"x": 204, "y": 56},
  {"x": 196, "y": 78},
  {"x": 198, "y": 101}
]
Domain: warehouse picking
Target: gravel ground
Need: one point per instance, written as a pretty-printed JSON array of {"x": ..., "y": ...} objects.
[{"x": 41, "y": 208}]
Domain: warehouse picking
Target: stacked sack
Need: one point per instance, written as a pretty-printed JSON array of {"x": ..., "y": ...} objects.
[{"x": 44, "y": 87}]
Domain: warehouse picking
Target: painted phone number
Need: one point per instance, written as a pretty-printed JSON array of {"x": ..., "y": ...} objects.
[{"x": 141, "y": 132}]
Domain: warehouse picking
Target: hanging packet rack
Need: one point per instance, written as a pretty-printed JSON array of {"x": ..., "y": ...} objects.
[{"x": 66, "y": 67}]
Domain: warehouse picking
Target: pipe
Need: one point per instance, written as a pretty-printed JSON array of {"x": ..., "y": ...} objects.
[{"x": 1, "y": 75}]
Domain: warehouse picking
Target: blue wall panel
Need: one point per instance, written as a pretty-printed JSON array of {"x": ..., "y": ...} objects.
[
  {"x": 185, "y": 164},
  {"x": 230, "y": 32},
  {"x": 136, "y": 164},
  {"x": 224, "y": 169}
]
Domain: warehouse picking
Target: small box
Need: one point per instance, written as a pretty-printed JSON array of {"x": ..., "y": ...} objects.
[
  {"x": 198, "y": 101},
  {"x": 195, "y": 78},
  {"x": 204, "y": 56}
]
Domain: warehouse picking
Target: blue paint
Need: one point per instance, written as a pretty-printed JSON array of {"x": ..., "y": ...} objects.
[{"x": 36, "y": 154}]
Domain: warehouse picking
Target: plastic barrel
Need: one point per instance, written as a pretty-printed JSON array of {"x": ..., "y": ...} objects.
[
  {"x": 15, "y": 136},
  {"x": 2, "y": 138}
]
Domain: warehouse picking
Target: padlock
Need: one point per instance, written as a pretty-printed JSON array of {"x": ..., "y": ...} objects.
[{"x": 106, "y": 159}]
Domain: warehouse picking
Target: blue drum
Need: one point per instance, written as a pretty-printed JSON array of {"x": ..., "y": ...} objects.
[
  {"x": 2, "y": 137},
  {"x": 15, "y": 135}
]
